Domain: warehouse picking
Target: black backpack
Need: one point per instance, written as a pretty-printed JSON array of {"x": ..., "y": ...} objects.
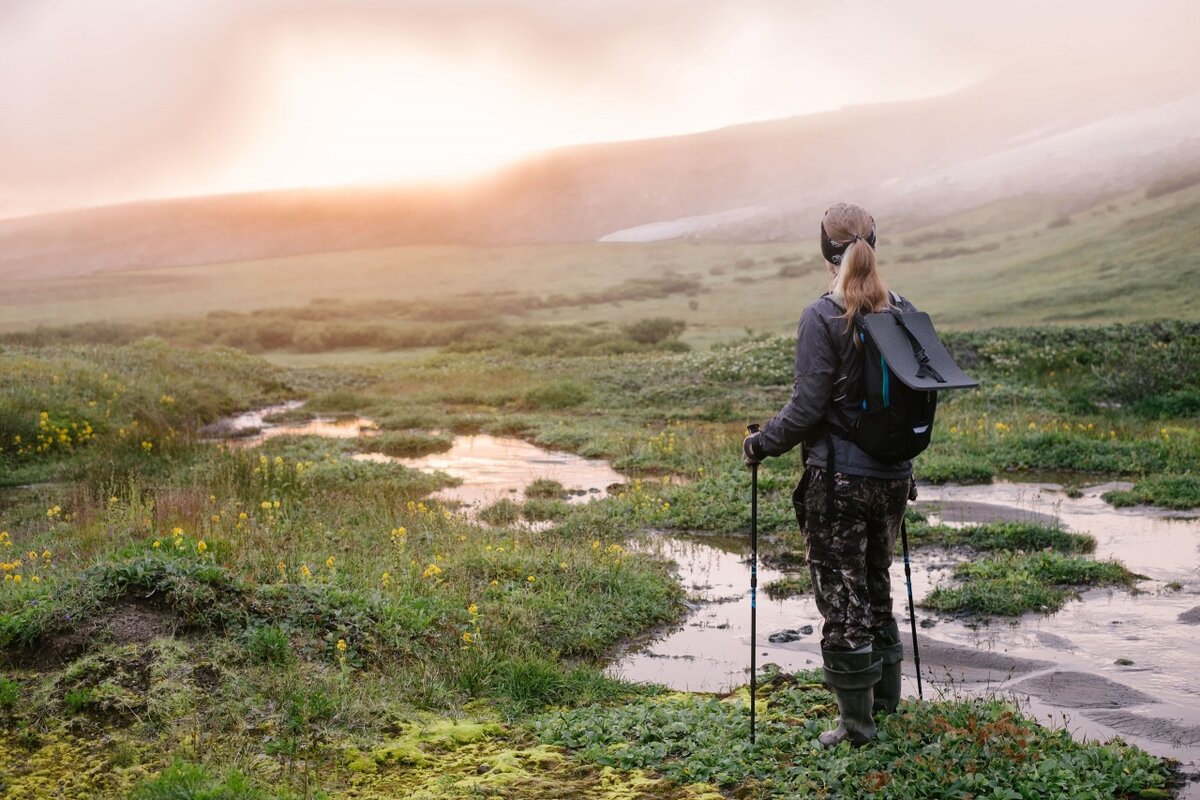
[{"x": 896, "y": 381}]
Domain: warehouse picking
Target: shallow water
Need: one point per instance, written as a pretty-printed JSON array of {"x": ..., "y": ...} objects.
[
  {"x": 251, "y": 428},
  {"x": 710, "y": 650},
  {"x": 493, "y": 468}
]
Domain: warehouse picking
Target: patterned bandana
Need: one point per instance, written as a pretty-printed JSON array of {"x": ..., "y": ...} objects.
[{"x": 833, "y": 251}]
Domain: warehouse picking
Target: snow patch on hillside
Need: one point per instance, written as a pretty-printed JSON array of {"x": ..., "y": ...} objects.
[{"x": 684, "y": 226}]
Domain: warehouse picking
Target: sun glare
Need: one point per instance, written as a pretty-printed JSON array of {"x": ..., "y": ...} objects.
[{"x": 333, "y": 116}]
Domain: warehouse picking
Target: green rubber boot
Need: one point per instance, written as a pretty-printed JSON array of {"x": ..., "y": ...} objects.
[
  {"x": 887, "y": 646},
  {"x": 852, "y": 676}
]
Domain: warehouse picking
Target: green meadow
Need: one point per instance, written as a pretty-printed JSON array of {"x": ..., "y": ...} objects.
[{"x": 183, "y": 619}]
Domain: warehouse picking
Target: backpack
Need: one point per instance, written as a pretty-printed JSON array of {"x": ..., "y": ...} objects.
[
  {"x": 902, "y": 367},
  {"x": 896, "y": 383}
]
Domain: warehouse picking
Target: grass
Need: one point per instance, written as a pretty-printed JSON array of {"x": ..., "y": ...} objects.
[
  {"x": 1168, "y": 491},
  {"x": 1125, "y": 259},
  {"x": 1009, "y": 584},
  {"x": 983, "y": 748},
  {"x": 996, "y": 536},
  {"x": 306, "y": 620}
]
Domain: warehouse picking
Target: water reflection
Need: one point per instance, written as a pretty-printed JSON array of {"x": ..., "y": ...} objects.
[
  {"x": 493, "y": 468},
  {"x": 252, "y": 428}
]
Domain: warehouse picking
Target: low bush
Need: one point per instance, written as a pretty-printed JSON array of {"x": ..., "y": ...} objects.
[{"x": 1168, "y": 491}]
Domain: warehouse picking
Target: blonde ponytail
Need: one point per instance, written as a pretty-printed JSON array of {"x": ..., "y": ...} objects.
[{"x": 857, "y": 284}]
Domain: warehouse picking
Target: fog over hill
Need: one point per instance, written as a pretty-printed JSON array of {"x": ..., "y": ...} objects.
[{"x": 910, "y": 162}]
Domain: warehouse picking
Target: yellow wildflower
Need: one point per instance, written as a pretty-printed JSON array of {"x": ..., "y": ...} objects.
[
  {"x": 46, "y": 554},
  {"x": 201, "y": 547},
  {"x": 431, "y": 571},
  {"x": 386, "y": 579},
  {"x": 305, "y": 571},
  {"x": 494, "y": 583},
  {"x": 472, "y": 609},
  {"x": 35, "y": 579},
  {"x": 215, "y": 517},
  {"x": 243, "y": 516},
  {"x": 531, "y": 579},
  {"x": 157, "y": 544},
  {"x": 329, "y": 562},
  {"x": 466, "y": 637},
  {"x": 341, "y": 645},
  {"x": 266, "y": 505}
]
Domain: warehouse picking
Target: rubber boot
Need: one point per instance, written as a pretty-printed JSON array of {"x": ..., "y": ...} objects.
[
  {"x": 852, "y": 676},
  {"x": 887, "y": 647}
]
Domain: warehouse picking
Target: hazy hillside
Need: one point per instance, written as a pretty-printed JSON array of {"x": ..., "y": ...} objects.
[
  {"x": 912, "y": 162},
  {"x": 1131, "y": 257}
]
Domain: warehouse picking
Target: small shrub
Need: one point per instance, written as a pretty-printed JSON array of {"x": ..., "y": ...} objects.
[
  {"x": 541, "y": 510},
  {"x": 789, "y": 586},
  {"x": 77, "y": 700},
  {"x": 557, "y": 395},
  {"x": 501, "y": 513},
  {"x": 10, "y": 692},
  {"x": 530, "y": 684},
  {"x": 654, "y": 331},
  {"x": 269, "y": 644},
  {"x": 545, "y": 488}
]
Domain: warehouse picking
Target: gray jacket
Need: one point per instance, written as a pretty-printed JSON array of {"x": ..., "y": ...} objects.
[{"x": 824, "y": 354}]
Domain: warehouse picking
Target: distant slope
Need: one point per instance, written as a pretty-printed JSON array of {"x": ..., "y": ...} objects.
[
  {"x": 1128, "y": 258},
  {"x": 912, "y": 162}
]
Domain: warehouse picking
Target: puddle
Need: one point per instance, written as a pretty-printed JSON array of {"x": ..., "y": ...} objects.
[
  {"x": 493, "y": 468},
  {"x": 710, "y": 650},
  {"x": 251, "y": 428}
]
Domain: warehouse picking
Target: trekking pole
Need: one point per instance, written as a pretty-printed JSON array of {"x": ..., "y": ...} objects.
[
  {"x": 753, "y": 428},
  {"x": 912, "y": 615}
]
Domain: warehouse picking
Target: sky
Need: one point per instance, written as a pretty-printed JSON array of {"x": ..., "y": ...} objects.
[{"x": 125, "y": 100}]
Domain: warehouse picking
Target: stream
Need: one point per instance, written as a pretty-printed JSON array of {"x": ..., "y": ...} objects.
[{"x": 1114, "y": 662}]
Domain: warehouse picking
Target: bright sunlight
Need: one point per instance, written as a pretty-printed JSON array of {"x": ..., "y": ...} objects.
[{"x": 376, "y": 113}]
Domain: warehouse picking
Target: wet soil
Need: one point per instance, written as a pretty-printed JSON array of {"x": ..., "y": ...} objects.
[{"x": 128, "y": 621}]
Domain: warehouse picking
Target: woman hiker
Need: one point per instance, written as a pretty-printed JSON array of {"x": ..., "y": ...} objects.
[{"x": 850, "y": 522}]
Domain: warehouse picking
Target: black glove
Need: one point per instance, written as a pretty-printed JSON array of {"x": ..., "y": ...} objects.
[{"x": 751, "y": 450}]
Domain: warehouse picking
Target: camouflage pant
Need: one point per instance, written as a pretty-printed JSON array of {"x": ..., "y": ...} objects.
[{"x": 849, "y": 555}]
